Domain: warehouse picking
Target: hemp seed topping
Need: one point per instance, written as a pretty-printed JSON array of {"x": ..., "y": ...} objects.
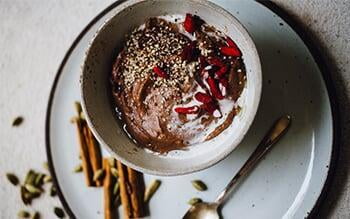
[{"x": 159, "y": 44}]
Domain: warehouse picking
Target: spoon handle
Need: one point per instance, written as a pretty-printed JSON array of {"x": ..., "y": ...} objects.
[{"x": 274, "y": 134}]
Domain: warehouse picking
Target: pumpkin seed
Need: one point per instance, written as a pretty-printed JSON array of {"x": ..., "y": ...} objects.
[
  {"x": 17, "y": 121},
  {"x": 99, "y": 174},
  {"x": 13, "y": 179},
  {"x": 36, "y": 215},
  {"x": 23, "y": 214},
  {"x": 59, "y": 212},
  {"x": 47, "y": 179},
  {"x": 194, "y": 201},
  {"x": 32, "y": 189},
  {"x": 199, "y": 185},
  {"x": 114, "y": 172},
  {"x": 78, "y": 168},
  {"x": 151, "y": 189}
]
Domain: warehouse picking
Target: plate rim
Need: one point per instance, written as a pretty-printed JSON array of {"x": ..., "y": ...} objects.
[
  {"x": 319, "y": 58},
  {"x": 297, "y": 28}
]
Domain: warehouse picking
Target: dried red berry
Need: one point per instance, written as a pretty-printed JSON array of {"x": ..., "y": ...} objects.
[
  {"x": 230, "y": 51},
  {"x": 187, "y": 110},
  {"x": 231, "y": 43},
  {"x": 215, "y": 61},
  {"x": 202, "y": 62},
  {"x": 215, "y": 91},
  {"x": 192, "y": 22},
  {"x": 189, "y": 23},
  {"x": 221, "y": 72},
  {"x": 203, "y": 97},
  {"x": 190, "y": 52},
  {"x": 160, "y": 72}
]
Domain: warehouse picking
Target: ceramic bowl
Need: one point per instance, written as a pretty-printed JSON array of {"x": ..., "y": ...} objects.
[{"x": 96, "y": 98}]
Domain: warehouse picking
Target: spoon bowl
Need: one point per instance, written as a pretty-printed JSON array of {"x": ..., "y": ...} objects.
[{"x": 203, "y": 210}]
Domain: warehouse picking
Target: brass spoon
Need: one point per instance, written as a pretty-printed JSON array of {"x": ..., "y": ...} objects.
[{"x": 206, "y": 210}]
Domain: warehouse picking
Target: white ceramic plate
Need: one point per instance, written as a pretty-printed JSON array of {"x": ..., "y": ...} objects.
[{"x": 288, "y": 183}]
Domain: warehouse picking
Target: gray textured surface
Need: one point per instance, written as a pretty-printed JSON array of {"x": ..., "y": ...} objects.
[{"x": 35, "y": 36}]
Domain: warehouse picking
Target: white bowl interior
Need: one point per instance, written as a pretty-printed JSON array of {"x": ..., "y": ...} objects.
[{"x": 97, "y": 99}]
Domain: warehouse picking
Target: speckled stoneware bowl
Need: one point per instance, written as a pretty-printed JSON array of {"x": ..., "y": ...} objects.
[{"x": 99, "y": 110}]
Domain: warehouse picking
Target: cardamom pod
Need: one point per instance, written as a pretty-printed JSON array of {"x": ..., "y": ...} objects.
[
  {"x": 26, "y": 198},
  {"x": 47, "y": 179},
  {"x": 114, "y": 172},
  {"x": 78, "y": 168},
  {"x": 99, "y": 174},
  {"x": 32, "y": 189},
  {"x": 59, "y": 212},
  {"x": 53, "y": 191},
  {"x": 23, "y": 214},
  {"x": 12, "y": 178},
  {"x": 199, "y": 185},
  {"x": 39, "y": 179},
  {"x": 30, "y": 177},
  {"x": 17, "y": 121},
  {"x": 82, "y": 116},
  {"x": 111, "y": 162},
  {"x": 36, "y": 215},
  {"x": 46, "y": 166},
  {"x": 116, "y": 188},
  {"x": 194, "y": 201},
  {"x": 77, "y": 106},
  {"x": 151, "y": 189}
]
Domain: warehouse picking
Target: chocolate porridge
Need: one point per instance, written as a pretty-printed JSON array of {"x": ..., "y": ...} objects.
[{"x": 176, "y": 82}]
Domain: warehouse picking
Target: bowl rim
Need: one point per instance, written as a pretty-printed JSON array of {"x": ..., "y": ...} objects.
[{"x": 251, "y": 116}]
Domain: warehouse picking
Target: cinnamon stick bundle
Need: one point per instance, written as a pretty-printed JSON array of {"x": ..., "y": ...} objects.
[
  {"x": 131, "y": 191},
  {"x": 89, "y": 149},
  {"x": 108, "y": 184}
]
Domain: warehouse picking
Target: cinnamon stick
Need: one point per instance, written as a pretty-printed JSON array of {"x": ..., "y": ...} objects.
[
  {"x": 131, "y": 191},
  {"x": 137, "y": 192},
  {"x": 108, "y": 183},
  {"x": 94, "y": 153},
  {"x": 84, "y": 152},
  {"x": 124, "y": 187}
]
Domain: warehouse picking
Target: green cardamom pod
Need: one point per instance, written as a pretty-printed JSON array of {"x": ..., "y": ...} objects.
[
  {"x": 99, "y": 174},
  {"x": 151, "y": 189},
  {"x": 12, "y": 178},
  {"x": 36, "y": 215},
  {"x": 194, "y": 201},
  {"x": 59, "y": 212},
  {"x": 114, "y": 172},
  {"x": 32, "y": 189},
  {"x": 78, "y": 168},
  {"x": 199, "y": 185},
  {"x": 23, "y": 214}
]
